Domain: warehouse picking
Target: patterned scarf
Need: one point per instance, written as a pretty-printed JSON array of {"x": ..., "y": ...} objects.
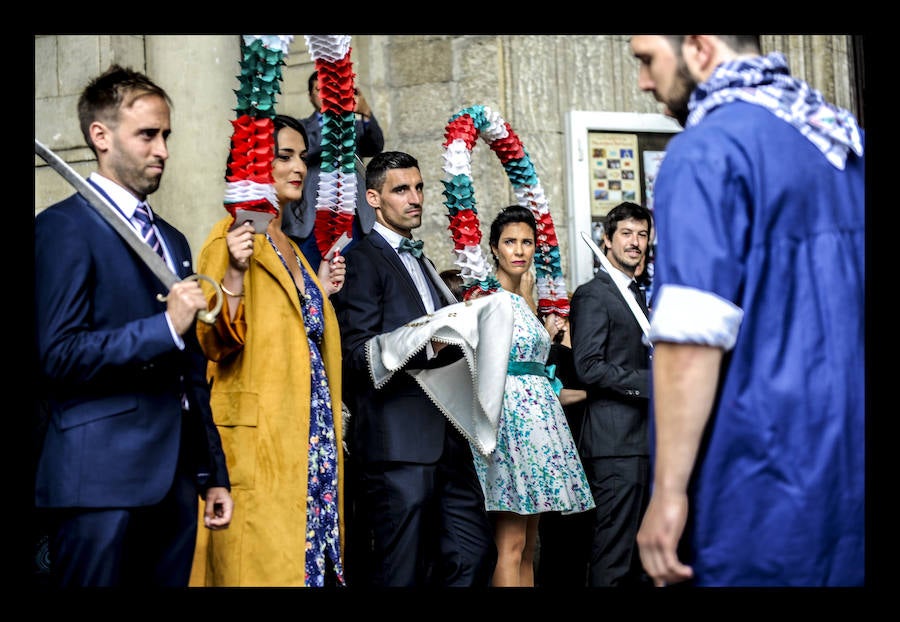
[{"x": 766, "y": 81}]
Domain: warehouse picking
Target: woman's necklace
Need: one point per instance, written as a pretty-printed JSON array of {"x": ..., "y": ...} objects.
[{"x": 305, "y": 298}]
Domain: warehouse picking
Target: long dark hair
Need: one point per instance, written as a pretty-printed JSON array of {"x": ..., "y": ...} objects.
[{"x": 281, "y": 121}]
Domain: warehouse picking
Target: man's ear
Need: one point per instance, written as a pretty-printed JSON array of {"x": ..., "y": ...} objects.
[
  {"x": 701, "y": 53},
  {"x": 100, "y": 135},
  {"x": 607, "y": 241},
  {"x": 373, "y": 199}
]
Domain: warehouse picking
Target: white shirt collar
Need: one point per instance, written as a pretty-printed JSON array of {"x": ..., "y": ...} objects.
[
  {"x": 393, "y": 238},
  {"x": 124, "y": 200},
  {"x": 620, "y": 277}
]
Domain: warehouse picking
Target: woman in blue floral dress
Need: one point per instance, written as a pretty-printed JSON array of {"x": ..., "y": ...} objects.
[
  {"x": 275, "y": 370},
  {"x": 535, "y": 467}
]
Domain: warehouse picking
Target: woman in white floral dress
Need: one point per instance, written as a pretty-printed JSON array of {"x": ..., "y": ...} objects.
[{"x": 535, "y": 467}]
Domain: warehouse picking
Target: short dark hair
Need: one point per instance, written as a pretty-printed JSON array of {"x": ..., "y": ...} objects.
[
  {"x": 624, "y": 211},
  {"x": 742, "y": 44},
  {"x": 117, "y": 87},
  {"x": 311, "y": 82},
  {"x": 508, "y": 215},
  {"x": 381, "y": 163}
]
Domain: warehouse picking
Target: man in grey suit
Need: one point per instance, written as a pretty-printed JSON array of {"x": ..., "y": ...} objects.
[{"x": 613, "y": 363}]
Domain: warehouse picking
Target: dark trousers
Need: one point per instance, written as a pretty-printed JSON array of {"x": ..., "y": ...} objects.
[
  {"x": 423, "y": 524},
  {"x": 148, "y": 546},
  {"x": 620, "y": 486},
  {"x": 138, "y": 547},
  {"x": 565, "y": 546},
  {"x": 355, "y": 538}
]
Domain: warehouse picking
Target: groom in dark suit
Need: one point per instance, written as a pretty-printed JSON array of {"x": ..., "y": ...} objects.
[
  {"x": 613, "y": 364},
  {"x": 419, "y": 517},
  {"x": 130, "y": 440}
]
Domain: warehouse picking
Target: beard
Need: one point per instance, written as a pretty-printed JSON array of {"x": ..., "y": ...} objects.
[{"x": 677, "y": 101}]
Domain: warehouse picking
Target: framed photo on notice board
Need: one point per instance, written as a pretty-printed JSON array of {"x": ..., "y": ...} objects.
[{"x": 615, "y": 171}]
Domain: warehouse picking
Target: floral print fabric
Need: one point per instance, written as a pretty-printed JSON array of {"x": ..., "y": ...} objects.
[
  {"x": 322, "y": 525},
  {"x": 535, "y": 467}
]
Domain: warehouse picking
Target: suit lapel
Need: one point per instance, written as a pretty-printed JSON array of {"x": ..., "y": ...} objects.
[
  {"x": 617, "y": 294},
  {"x": 398, "y": 266},
  {"x": 444, "y": 293},
  {"x": 183, "y": 267}
]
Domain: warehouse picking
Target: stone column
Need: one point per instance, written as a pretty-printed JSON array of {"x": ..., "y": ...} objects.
[{"x": 200, "y": 74}]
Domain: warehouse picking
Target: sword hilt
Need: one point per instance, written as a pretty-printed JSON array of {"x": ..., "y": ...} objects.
[{"x": 204, "y": 315}]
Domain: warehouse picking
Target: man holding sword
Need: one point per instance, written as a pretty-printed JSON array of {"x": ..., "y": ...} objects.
[{"x": 130, "y": 440}]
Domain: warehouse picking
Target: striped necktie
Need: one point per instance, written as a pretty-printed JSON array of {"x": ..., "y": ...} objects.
[{"x": 142, "y": 216}]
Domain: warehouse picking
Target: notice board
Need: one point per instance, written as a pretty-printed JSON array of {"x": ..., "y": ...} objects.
[{"x": 610, "y": 157}]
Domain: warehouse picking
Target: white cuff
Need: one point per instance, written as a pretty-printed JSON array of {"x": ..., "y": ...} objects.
[{"x": 687, "y": 315}]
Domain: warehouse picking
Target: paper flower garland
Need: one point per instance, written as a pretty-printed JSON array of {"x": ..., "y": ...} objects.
[
  {"x": 461, "y": 133},
  {"x": 336, "y": 194},
  {"x": 249, "y": 183}
]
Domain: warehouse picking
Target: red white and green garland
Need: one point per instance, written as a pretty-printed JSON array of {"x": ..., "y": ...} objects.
[
  {"x": 249, "y": 182},
  {"x": 461, "y": 133},
  {"x": 337, "y": 191}
]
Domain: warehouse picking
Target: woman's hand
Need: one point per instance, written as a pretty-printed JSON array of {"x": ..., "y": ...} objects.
[
  {"x": 240, "y": 246},
  {"x": 332, "y": 274},
  {"x": 554, "y": 325}
]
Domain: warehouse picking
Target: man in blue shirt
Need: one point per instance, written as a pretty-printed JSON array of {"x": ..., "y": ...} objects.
[{"x": 758, "y": 324}]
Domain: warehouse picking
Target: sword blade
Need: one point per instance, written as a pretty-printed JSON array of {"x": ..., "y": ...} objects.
[{"x": 153, "y": 261}]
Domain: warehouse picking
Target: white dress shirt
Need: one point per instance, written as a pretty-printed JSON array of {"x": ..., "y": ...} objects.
[{"x": 412, "y": 265}]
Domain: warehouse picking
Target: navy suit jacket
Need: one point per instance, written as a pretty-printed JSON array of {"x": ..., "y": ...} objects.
[
  {"x": 613, "y": 364},
  {"x": 397, "y": 422},
  {"x": 110, "y": 375}
]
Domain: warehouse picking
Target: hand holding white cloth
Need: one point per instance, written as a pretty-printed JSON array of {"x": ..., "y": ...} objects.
[{"x": 469, "y": 391}]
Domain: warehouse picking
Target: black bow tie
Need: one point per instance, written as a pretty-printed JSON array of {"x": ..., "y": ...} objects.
[{"x": 411, "y": 246}]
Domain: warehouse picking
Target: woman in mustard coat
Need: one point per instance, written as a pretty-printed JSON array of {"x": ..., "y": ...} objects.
[{"x": 275, "y": 367}]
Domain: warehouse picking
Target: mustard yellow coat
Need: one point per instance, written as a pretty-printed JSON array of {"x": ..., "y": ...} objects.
[{"x": 259, "y": 367}]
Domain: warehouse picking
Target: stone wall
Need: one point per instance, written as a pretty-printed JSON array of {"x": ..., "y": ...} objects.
[{"x": 414, "y": 84}]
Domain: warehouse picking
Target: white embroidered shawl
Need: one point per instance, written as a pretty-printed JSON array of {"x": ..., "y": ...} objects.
[{"x": 469, "y": 391}]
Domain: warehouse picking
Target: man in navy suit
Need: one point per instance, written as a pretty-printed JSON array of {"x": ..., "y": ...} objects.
[
  {"x": 419, "y": 516},
  {"x": 299, "y": 218},
  {"x": 130, "y": 441},
  {"x": 613, "y": 364}
]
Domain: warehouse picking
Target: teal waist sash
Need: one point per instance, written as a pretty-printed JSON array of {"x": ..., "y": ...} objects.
[{"x": 533, "y": 368}]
